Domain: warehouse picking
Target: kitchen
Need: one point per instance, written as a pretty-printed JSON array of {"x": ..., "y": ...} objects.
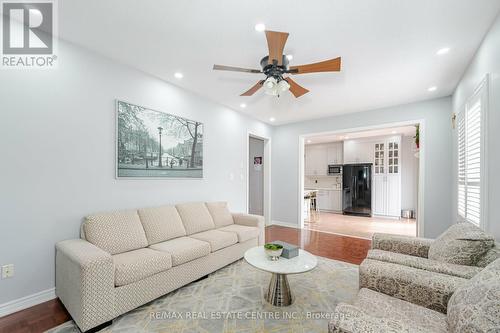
[{"x": 362, "y": 182}]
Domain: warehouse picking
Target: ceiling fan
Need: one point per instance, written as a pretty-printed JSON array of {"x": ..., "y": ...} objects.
[{"x": 275, "y": 66}]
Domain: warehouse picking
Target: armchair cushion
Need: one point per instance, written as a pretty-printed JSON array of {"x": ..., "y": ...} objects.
[
  {"x": 220, "y": 214},
  {"x": 413, "y": 246},
  {"x": 418, "y": 286},
  {"x": 462, "y": 244},
  {"x": 383, "y": 306},
  {"x": 462, "y": 271},
  {"x": 475, "y": 306},
  {"x": 351, "y": 319},
  {"x": 102, "y": 230},
  {"x": 490, "y": 256},
  {"x": 161, "y": 223}
]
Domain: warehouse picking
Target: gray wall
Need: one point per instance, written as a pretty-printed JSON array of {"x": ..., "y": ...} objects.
[
  {"x": 256, "y": 178},
  {"x": 438, "y": 140},
  {"x": 486, "y": 60},
  {"x": 57, "y": 151}
]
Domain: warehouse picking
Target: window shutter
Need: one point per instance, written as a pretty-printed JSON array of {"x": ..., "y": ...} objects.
[{"x": 470, "y": 141}]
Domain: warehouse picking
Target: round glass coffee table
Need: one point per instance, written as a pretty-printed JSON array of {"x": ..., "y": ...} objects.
[{"x": 279, "y": 293}]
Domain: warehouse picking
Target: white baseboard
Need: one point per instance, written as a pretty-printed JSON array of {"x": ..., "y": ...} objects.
[
  {"x": 27, "y": 301},
  {"x": 284, "y": 224}
]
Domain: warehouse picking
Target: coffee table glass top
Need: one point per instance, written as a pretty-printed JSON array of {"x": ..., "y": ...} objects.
[{"x": 304, "y": 262}]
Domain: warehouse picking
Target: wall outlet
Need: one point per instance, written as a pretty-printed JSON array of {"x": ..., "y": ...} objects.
[{"x": 7, "y": 271}]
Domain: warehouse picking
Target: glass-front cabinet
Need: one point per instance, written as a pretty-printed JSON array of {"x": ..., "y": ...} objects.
[{"x": 387, "y": 177}]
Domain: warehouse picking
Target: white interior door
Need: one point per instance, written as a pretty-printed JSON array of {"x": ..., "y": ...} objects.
[{"x": 256, "y": 176}]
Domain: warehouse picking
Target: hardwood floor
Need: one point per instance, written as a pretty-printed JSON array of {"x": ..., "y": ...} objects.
[
  {"x": 52, "y": 313},
  {"x": 322, "y": 244},
  {"x": 36, "y": 319},
  {"x": 363, "y": 227}
]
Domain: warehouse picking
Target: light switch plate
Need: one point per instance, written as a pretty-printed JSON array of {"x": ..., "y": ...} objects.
[{"x": 7, "y": 271}]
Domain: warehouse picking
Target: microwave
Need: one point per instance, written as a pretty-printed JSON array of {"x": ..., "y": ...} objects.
[{"x": 334, "y": 170}]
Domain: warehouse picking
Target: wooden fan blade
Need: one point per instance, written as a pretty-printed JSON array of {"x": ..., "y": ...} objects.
[
  {"x": 254, "y": 88},
  {"x": 235, "y": 69},
  {"x": 332, "y": 65},
  {"x": 295, "y": 88},
  {"x": 276, "y": 43}
]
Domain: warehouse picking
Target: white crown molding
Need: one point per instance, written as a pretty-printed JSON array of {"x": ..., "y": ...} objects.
[{"x": 27, "y": 301}]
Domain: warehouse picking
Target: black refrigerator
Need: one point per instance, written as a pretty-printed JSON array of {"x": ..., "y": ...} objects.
[{"x": 357, "y": 189}]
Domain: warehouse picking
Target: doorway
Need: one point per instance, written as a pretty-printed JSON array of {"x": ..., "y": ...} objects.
[
  {"x": 258, "y": 176},
  {"x": 361, "y": 181}
]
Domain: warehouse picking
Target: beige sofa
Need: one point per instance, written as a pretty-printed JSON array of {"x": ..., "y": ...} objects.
[{"x": 125, "y": 259}]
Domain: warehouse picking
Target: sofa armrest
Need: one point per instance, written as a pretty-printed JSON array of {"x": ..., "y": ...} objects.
[
  {"x": 85, "y": 282},
  {"x": 251, "y": 220},
  {"x": 425, "y": 288},
  {"x": 351, "y": 319},
  {"x": 414, "y": 246}
]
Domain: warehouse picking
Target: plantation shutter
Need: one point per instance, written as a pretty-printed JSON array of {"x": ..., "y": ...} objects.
[{"x": 470, "y": 141}]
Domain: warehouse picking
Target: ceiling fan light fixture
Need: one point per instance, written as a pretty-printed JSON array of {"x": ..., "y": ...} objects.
[{"x": 283, "y": 86}]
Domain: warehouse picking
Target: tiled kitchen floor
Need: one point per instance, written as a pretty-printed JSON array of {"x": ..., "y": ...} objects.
[{"x": 362, "y": 227}]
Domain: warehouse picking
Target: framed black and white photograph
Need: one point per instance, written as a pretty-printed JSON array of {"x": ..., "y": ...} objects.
[{"x": 155, "y": 144}]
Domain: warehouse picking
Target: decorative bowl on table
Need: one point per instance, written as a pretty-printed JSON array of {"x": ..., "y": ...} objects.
[{"x": 273, "y": 251}]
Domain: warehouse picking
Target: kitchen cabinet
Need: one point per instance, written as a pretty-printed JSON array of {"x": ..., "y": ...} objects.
[
  {"x": 318, "y": 157},
  {"x": 387, "y": 177},
  {"x": 330, "y": 200},
  {"x": 334, "y": 153},
  {"x": 316, "y": 160}
]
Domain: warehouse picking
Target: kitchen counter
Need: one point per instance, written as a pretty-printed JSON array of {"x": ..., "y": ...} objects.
[{"x": 322, "y": 189}]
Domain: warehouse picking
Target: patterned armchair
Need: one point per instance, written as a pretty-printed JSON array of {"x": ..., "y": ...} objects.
[
  {"x": 423, "y": 271},
  {"x": 473, "y": 307}
]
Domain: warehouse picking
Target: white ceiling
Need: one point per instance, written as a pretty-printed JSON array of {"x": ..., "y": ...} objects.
[
  {"x": 388, "y": 47},
  {"x": 325, "y": 138}
]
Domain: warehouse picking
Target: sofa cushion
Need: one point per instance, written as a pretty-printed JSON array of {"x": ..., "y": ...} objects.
[
  {"x": 115, "y": 232},
  {"x": 490, "y": 256},
  {"x": 136, "y": 265},
  {"x": 217, "y": 239},
  {"x": 183, "y": 249},
  {"x": 161, "y": 223},
  {"x": 195, "y": 217},
  {"x": 423, "y": 263},
  {"x": 244, "y": 233},
  {"x": 382, "y": 306},
  {"x": 475, "y": 306},
  {"x": 462, "y": 244},
  {"x": 220, "y": 213}
]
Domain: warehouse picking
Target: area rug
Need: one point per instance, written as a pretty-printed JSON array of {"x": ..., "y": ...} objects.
[{"x": 231, "y": 300}]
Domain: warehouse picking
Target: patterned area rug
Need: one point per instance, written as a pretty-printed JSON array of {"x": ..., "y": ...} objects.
[{"x": 231, "y": 300}]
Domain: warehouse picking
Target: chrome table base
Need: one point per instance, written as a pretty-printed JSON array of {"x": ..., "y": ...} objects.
[{"x": 278, "y": 293}]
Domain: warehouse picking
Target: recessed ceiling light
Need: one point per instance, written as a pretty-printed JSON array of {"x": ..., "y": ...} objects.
[
  {"x": 178, "y": 75},
  {"x": 309, "y": 141},
  {"x": 289, "y": 56},
  {"x": 433, "y": 88},
  {"x": 243, "y": 105},
  {"x": 393, "y": 132},
  {"x": 442, "y": 51},
  {"x": 272, "y": 119},
  {"x": 346, "y": 137},
  {"x": 260, "y": 27}
]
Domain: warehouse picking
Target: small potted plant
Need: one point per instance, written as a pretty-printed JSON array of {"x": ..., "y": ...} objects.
[{"x": 273, "y": 251}]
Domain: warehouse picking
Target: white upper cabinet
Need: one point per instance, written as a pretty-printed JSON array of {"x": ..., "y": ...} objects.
[
  {"x": 334, "y": 152},
  {"x": 316, "y": 163},
  {"x": 318, "y": 157}
]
